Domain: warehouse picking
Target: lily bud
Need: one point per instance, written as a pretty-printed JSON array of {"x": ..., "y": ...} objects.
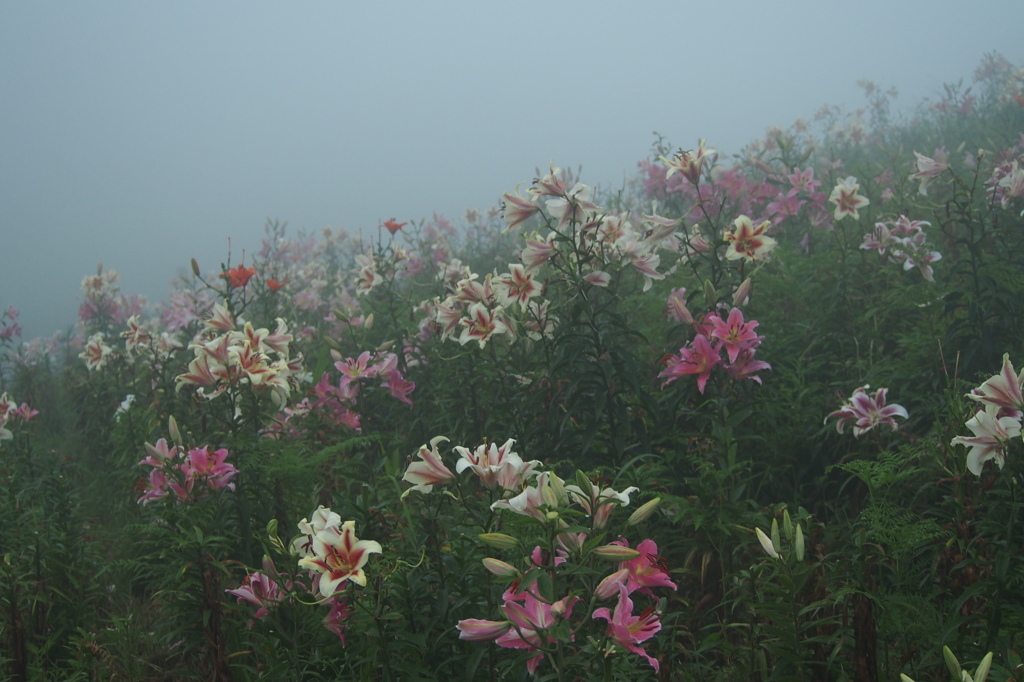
[
  {"x": 616, "y": 552},
  {"x": 710, "y": 295},
  {"x": 499, "y": 540},
  {"x": 172, "y": 428},
  {"x": 787, "y": 525},
  {"x": 742, "y": 293},
  {"x": 643, "y": 511},
  {"x": 501, "y": 568},
  {"x": 475, "y": 630},
  {"x": 583, "y": 482},
  {"x": 195, "y": 267},
  {"x": 798, "y": 543},
  {"x": 609, "y": 587},
  {"x": 776, "y": 540},
  {"x": 548, "y": 496},
  {"x": 981, "y": 673},
  {"x": 952, "y": 663},
  {"x": 766, "y": 544}
]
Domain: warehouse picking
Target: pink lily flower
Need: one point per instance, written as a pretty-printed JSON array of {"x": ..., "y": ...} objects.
[
  {"x": 698, "y": 358},
  {"x": 400, "y": 387},
  {"x": 487, "y": 460},
  {"x": 867, "y": 411},
  {"x": 736, "y": 334},
  {"x": 1003, "y": 390},
  {"x": 745, "y": 365},
  {"x": 529, "y": 623},
  {"x": 803, "y": 181},
  {"x": 25, "y": 413},
  {"x": 879, "y": 240},
  {"x": 629, "y": 631},
  {"x": 159, "y": 455},
  {"x": 538, "y": 251},
  {"x": 353, "y": 369},
  {"x": 647, "y": 570},
  {"x": 428, "y": 472},
  {"x": 929, "y": 169},
  {"x": 260, "y": 590},
  {"x": 335, "y": 619},
  {"x": 689, "y": 163},
  {"x": 210, "y": 466},
  {"x": 516, "y": 209}
]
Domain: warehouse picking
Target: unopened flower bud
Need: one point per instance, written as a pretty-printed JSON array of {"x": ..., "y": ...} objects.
[
  {"x": 787, "y": 525},
  {"x": 952, "y": 663},
  {"x": 798, "y": 543},
  {"x": 766, "y": 544},
  {"x": 609, "y": 587},
  {"x": 776, "y": 540},
  {"x": 475, "y": 630},
  {"x": 547, "y": 494},
  {"x": 172, "y": 428},
  {"x": 710, "y": 295},
  {"x": 742, "y": 293},
  {"x": 500, "y": 568},
  {"x": 195, "y": 267},
  {"x": 571, "y": 542},
  {"x": 643, "y": 511},
  {"x": 499, "y": 540},
  {"x": 981, "y": 674},
  {"x": 616, "y": 552},
  {"x": 368, "y": 322},
  {"x": 583, "y": 482}
]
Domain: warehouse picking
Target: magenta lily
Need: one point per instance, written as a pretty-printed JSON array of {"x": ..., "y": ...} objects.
[
  {"x": 629, "y": 631},
  {"x": 867, "y": 411},
  {"x": 736, "y": 334},
  {"x": 698, "y": 358}
]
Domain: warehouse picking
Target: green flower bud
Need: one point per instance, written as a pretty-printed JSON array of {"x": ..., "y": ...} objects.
[
  {"x": 501, "y": 568},
  {"x": 616, "y": 552},
  {"x": 499, "y": 540},
  {"x": 643, "y": 511}
]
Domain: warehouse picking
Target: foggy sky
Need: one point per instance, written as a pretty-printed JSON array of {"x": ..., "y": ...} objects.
[{"x": 141, "y": 134}]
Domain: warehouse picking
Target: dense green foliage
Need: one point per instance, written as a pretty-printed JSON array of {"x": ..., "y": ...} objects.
[{"x": 612, "y": 339}]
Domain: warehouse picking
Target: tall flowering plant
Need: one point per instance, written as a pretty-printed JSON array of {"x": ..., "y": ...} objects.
[
  {"x": 997, "y": 421},
  {"x": 730, "y": 344},
  {"x": 570, "y": 601},
  {"x": 184, "y": 474}
]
